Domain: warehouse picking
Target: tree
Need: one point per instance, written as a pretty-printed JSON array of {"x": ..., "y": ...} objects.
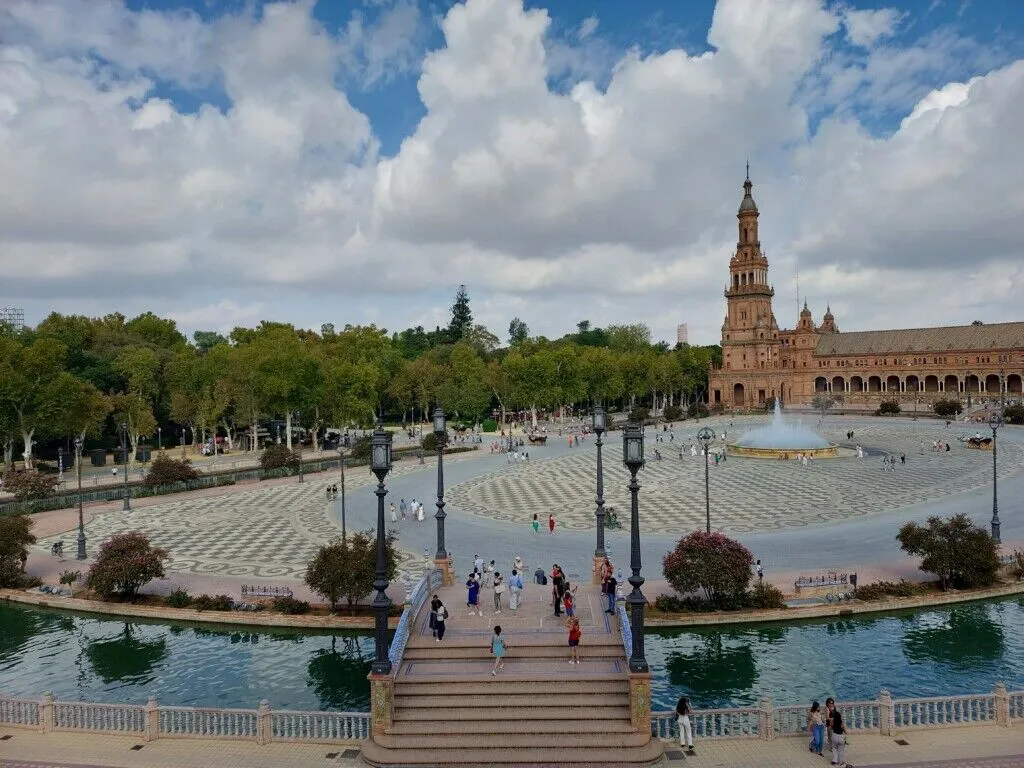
[
  {"x": 947, "y": 408},
  {"x": 346, "y": 567},
  {"x": 15, "y": 539},
  {"x": 709, "y": 562},
  {"x": 960, "y": 553},
  {"x": 518, "y": 332},
  {"x": 464, "y": 388},
  {"x": 32, "y": 383},
  {"x": 1014, "y": 414},
  {"x": 125, "y": 563},
  {"x": 207, "y": 340},
  {"x": 462, "y": 318},
  {"x": 823, "y": 403},
  {"x": 634, "y": 337},
  {"x": 136, "y": 414}
]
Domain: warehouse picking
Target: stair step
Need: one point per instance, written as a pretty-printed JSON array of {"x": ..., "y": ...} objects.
[
  {"x": 521, "y": 652},
  {"x": 545, "y": 722},
  {"x": 491, "y": 686},
  {"x": 512, "y": 700},
  {"x": 608, "y": 757},
  {"x": 493, "y": 714},
  {"x": 513, "y": 739}
]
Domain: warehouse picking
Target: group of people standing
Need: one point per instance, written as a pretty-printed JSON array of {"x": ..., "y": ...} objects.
[
  {"x": 486, "y": 576},
  {"x": 407, "y": 508}
]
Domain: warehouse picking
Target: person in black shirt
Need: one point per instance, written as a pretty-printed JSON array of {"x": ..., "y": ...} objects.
[{"x": 837, "y": 739}]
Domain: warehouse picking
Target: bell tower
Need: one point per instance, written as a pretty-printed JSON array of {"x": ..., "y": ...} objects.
[{"x": 750, "y": 333}]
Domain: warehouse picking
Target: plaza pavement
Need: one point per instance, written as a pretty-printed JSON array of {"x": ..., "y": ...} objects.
[
  {"x": 267, "y": 532},
  {"x": 980, "y": 747}
]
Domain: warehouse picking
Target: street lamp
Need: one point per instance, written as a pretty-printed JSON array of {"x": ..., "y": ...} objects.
[
  {"x": 159, "y": 440},
  {"x": 598, "y": 422},
  {"x": 441, "y": 436},
  {"x": 705, "y": 436},
  {"x": 1002, "y": 389},
  {"x": 967, "y": 386},
  {"x": 124, "y": 446},
  {"x": 60, "y": 464},
  {"x": 995, "y": 421},
  {"x": 298, "y": 421},
  {"x": 181, "y": 438},
  {"x": 380, "y": 464},
  {"x": 81, "y": 521},
  {"x": 633, "y": 458},
  {"x": 341, "y": 452}
]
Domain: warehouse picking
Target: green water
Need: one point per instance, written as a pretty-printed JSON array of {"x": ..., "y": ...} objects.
[{"x": 963, "y": 649}]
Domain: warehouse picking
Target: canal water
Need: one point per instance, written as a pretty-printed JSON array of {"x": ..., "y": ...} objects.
[{"x": 963, "y": 649}]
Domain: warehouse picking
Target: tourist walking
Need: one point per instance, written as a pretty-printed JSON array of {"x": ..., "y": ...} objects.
[
  {"x": 419, "y": 512},
  {"x": 575, "y": 633},
  {"x": 515, "y": 589},
  {"x": 498, "y": 649},
  {"x": 551, "y": 522},
  {"x": 816, "y": 727},
  {"x": 440, "y": 616},
  {"x": 683, "y": 713},
  {"x": 609, "y": 588},
  {"x": 557, "y": 588},
  {"x": 394, "y": 513},
  {"x": 435, "y": 601},
  {"x": 536, "y": 523},
  {"x": 403, "y": 507},
  {"x": 499, "y": 589},
  {"x": 473, "y": 594},
  {"x": 837, "y": 739}
]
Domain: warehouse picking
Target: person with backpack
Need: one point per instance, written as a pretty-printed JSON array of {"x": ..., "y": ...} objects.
[{"x": 440, "y": 616}]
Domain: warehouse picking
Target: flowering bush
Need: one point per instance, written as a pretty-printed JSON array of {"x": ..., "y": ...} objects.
[
  {"x": 125, "y": 563},
  {"x": 711, "y": 563},
  {"x": 29, "y": 484}
]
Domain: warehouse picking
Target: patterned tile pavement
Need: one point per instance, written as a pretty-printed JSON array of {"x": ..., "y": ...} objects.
[{"x": 747, "y": 494}]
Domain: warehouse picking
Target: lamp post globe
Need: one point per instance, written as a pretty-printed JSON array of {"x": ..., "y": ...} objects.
[
  {"x": 80, "y": 554},
  {"x": 599, "y": 424},
  {"x": 705, "y": 437},
  {"x": 380, "y": 465},
  {"x": 440, "y": 437},
  {"x": 995, "y": 421},
  {"x": 633, "y": 458}
]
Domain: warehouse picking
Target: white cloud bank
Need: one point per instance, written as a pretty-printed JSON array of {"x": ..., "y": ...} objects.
[{"x": 614, "y": 205}]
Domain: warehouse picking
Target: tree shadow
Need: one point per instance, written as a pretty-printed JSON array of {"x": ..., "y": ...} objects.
[
  {"x": 338, "y": 676},
  {"x": 964, "y": 639},
  {"x": 126, "y": 658},
  {"x": 714, "y": 671}
]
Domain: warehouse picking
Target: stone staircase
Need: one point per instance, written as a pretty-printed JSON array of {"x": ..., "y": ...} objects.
[{"x": 539, "y": 710}]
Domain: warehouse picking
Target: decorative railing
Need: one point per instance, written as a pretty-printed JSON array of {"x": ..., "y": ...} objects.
[
  {"x": 424, "y": 587},
  {"x": 883, "y": 716},
  {"x": 625, "y": 630},
  {"x": 20, "y": 713},
  {"x": 109, "y": 718},
  {"x": 189, "y": 722},
  {"x": 319, "y": 726}
]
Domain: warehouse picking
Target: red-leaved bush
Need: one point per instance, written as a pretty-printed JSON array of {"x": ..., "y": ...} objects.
[
  {"x": 711, "y": 563},
  {"x": 125, "y": 563}
]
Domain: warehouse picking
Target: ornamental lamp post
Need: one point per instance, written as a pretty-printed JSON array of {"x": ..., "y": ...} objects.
[
  {"x": 995, "y": 421},
  {"x": 81, "y": 521},
  {"x": 159, "y": 439},
  {"x": 705, "y": 436},
  {"x": 298, "y": 420},
  {"x": 380, "y": 464},
  {"x": 633, "y": 458},
  {"x": 124, "y": 447},
  {"x": 1002, "y": 389},
  {"x": 341, "y": 453},
  {"x": 60, "y": 464},
  {"x": 440, "y": 437},
  {"x": 599, "y": 425}
]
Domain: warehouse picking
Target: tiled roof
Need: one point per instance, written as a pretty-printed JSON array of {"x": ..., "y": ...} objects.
[{"x": 913, "y": 340}]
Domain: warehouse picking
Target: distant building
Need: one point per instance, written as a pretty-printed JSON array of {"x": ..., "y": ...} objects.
[
  {"x": 761, "y": 361},
  {"x": 682, "y": 334},
  {"x": 14, "y": 317}
]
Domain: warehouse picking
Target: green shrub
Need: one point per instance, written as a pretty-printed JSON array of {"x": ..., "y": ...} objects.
[
  {"x": 28, "y": 485},
  {"x": 125, "y": 563},
  {"x": 1017, "y": 566},
  {"x": 164, "y": 470},
  {"x": 766, "y": 596},
  {"x": 290, "y": 606},
  {"x": 640, "y": 414},
  {"x": 1014, "y": 414},
  {"x": 877, "y": 590},
  {"x": 429, "y": 442},
  {"x": 277, "y": 456},
  {"x": 68, "y": 578},
  {"x": 710, "y": 563},
  {"x": 888, "y": 408},
  {"x": 179, "y": 598},
  {"x": 489, "y": 425},
  {"x": 698, "y": 411},
  {"x": 672, "y": 413},
  {"x": 212, "y": 603},
  {"x": 960, "y": 553},
  {"x": 947, "y": 408},
  {"x": 362, "y": 447}
]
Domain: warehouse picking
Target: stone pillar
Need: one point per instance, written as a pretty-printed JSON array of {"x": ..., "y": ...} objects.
[
  {"x": 765, "y": 720},
  {"x": 152, "y": 725},
  {"x": 1002, "y": 704},
  {"x": 263, "y": 730},
  {"x": 886, "y": 714},
  {"x": 640, "y": 701},
  {"x": 382, "y": 702},
  {"x": 46, "y": 718},
  {"x": 442, "y": 565}
]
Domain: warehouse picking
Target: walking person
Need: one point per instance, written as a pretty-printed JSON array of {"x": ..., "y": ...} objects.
[
  {"x": 515, "y": 589},
  {"x": 609, "y": 588},
  {"x": 435, "y": 601},
  {"x": 440, "y": 616},
  {"x": 394, "y": 513},
  {"x": 575, "y": 633},
  {"x": 403, "y": 507},
  {"x": 551, "y": 522},
  {"x": 837, "y": 740},
  {"x": 557, "y": 588},
  {"x": 683, "y": 713},
  {"x": 499, "y": 589},
  {"x": 816, "y": 726},
  {"x": 498, "y": 649},
  {"x": 473, "y": 594}
]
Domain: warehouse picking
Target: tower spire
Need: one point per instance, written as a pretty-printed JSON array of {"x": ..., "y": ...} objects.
[{"x": 748, "y": 169}]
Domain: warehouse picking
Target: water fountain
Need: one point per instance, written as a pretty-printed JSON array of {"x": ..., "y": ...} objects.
[{"x": 782, "y": 439}]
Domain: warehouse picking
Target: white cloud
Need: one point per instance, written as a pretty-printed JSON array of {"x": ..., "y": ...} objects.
[
  {"x": 588, "y": 27},
  {"x": 612, "y": 202}
]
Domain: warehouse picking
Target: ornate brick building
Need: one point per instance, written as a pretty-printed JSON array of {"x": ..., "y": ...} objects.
[{"x": 914, "y": 366}]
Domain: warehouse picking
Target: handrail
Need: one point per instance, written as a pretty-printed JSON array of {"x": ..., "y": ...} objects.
[
  {"x": 427, "y": 584},
  {"x": 625, "y": 631}
]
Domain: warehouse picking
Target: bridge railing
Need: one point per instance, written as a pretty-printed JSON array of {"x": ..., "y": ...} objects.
[
  {"x": 430, "y": 581},
  {"x": 885, "y": 716}
]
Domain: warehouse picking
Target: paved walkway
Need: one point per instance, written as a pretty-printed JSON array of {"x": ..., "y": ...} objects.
[{"x": 981, "y": 747}]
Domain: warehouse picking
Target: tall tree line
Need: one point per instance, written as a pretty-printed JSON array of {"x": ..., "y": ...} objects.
[{"x": 74, "y": 376}]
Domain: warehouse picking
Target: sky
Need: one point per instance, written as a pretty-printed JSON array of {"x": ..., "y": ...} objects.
[{"x": 222, "y": 162}]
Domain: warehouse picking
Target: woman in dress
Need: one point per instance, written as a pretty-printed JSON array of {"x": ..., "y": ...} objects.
[
  {"x": 498, "y": 649},
  {"x": 536, "y": 523}
]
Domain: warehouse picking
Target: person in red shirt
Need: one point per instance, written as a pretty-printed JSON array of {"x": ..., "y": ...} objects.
[
  {"x": 551, "y": 522},
  {"x": 575, "y": 633}
]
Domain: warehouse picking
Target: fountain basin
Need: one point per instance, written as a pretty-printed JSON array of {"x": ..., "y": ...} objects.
[
  {"x": 781, "y": 439},
  {"x": 830, "y": 451}
]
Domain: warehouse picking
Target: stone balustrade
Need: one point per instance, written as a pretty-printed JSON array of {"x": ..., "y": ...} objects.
[
  {"x": 884, "y": 716},
  {"x": 152, "y": 721}
]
